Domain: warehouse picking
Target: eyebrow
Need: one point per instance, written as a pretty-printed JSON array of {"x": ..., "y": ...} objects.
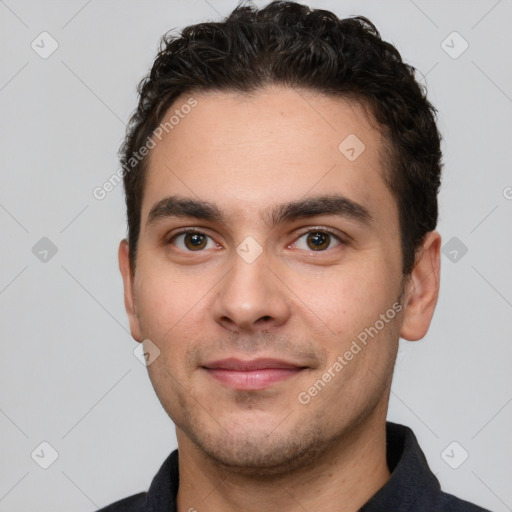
[{"x": 338, "y": 205}]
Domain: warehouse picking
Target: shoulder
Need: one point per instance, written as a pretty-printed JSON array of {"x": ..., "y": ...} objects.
[
  {"x": 161, "y": 494},
  {"x": 133, "y": 503},
  {"x": 450, "y": 503}
]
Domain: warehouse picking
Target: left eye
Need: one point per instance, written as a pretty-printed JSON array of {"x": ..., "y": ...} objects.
[{"x": 316, "y": 240}]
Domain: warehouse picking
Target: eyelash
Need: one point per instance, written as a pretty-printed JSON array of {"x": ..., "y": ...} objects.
[{"x": 309, "y": 230}]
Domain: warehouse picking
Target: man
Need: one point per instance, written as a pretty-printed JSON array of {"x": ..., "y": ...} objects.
[{"x": 281, "y": 176}]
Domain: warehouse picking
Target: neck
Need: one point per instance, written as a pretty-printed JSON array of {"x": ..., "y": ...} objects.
[{"x": 343, "y": 480}]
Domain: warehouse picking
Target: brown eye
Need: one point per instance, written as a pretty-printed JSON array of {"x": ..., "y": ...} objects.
[
  {"x": 317, "y": 241},
  {"x": 192, "y": 241}
]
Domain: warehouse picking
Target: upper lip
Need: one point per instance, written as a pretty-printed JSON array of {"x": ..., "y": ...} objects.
[{"x": 254, "y": 364}]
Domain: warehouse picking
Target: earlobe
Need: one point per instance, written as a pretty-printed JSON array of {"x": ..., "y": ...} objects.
[
  {"x": 129, "y": 302},
  {"x": 422, "y": 289}
]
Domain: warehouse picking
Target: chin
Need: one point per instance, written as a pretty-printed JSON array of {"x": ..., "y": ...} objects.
[{"x": 262, "y": 452}]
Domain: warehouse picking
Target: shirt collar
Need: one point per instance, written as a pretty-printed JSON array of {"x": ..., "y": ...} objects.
[{"x": 412, "y": 485}]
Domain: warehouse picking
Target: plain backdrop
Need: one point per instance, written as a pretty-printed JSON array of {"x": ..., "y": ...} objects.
[{"x": 68, "y": 374}]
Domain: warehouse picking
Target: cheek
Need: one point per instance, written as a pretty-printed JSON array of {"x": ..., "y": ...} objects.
[
  {"x": 166, "y": 300},
  {"x": 345, "y": 299}
]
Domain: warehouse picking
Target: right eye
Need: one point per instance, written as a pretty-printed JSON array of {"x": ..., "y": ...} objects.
[{"x": 191, "y": 240}]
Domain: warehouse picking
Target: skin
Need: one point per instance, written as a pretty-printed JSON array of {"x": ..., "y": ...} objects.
[{"x": 263, "y": 449}]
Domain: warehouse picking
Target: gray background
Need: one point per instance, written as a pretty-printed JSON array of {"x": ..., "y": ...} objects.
[{"x": 68, "y": 375}]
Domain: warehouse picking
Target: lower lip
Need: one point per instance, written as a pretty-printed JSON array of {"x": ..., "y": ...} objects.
[{"x": 253, "y": 379}]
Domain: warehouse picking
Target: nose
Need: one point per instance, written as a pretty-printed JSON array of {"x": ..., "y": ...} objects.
[{"x": 251, "y": 297}]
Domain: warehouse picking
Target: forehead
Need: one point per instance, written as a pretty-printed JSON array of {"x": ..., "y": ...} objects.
[{"x": 246, "y": 152}]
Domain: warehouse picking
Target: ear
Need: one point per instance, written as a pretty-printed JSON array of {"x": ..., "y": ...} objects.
[
  {"x": 422, "y": 289},
  {"x": 129, "y": 302}
]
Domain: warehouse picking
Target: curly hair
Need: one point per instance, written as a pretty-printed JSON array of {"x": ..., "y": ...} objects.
[{"x": 290, "y": 44}]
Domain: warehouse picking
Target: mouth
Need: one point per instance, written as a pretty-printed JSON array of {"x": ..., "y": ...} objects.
[{"x": 252, "y": 375}]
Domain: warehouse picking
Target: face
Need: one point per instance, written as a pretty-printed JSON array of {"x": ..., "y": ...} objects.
[{"x": 268, "y": 274}]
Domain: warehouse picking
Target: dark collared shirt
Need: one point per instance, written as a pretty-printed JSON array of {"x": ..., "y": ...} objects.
[{"x": 411, "y": 487}]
